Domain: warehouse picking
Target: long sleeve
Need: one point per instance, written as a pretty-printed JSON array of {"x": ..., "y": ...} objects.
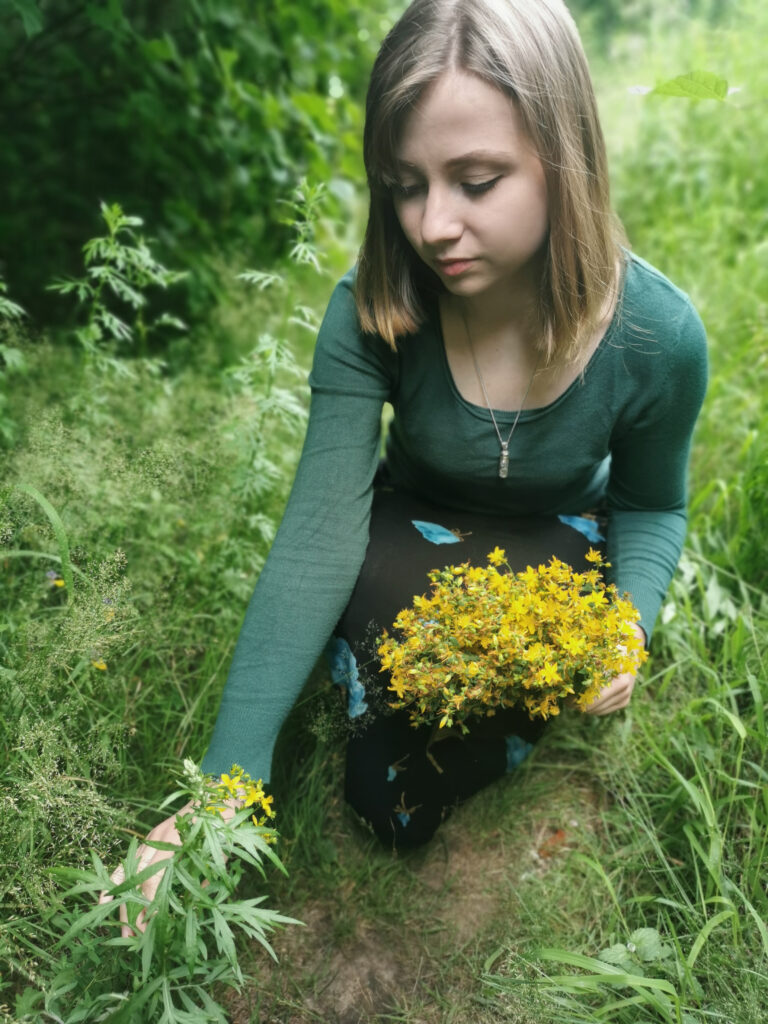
[
  {"x": 650, "y": 448},
  {"x": 320, "y": 545}
]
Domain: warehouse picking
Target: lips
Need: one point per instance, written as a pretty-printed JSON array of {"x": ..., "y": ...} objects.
[{"x": 454, "y": 266}]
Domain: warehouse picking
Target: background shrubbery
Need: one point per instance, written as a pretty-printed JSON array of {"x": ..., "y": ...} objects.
[
  {"x": 197, "y": 117},
  {"x": 140, "y": 486}
]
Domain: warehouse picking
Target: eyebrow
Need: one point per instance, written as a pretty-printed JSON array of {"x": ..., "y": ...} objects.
[{"x": 473, "y": 157}]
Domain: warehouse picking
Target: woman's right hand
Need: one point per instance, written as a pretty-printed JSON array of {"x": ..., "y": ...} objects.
[{"x": 165, "y": 832}]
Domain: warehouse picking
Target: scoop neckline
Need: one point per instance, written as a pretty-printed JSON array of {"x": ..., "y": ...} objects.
[{"x": 508, "y": 415}]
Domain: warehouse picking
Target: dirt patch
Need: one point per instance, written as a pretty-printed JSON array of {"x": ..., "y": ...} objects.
[
  {"x": 472, "y": 870},
  {"x": 349, "y": 967},
  {"x": 320, "y": 977}
]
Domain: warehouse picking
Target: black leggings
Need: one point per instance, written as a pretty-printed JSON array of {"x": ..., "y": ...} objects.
[{"x": 403, "y": 780}]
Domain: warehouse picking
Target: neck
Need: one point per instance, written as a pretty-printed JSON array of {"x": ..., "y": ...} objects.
[
  {"x": 510, "y": 310},
  {"x": 514, "y": 329}
]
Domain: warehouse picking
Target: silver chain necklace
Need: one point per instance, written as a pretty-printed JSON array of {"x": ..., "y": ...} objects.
[{"x": 504, "y": 445}]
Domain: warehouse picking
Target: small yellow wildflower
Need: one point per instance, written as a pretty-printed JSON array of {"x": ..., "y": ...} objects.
[
  {"x": 497, "y": 556},
  {"x": 239, "y": 785},
  {"x": 100, "y": 664},
  {"x": 549, "y": 673}
]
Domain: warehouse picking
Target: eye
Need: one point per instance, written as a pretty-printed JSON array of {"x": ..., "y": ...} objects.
[
  {"x": 400, "y": 191},
  {"x": 478, "y": 188}
]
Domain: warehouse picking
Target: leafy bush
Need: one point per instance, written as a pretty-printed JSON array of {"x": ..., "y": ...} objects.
[
  {"x": 11, "y": 356},
  {"x": 197, "y": 117}
]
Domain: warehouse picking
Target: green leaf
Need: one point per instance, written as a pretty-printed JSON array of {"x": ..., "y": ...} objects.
[
  {"x": 704, "y": 934},
  {"x": 617, "y": 954},
  {"x": 648, "y": 945},
  {"x": 30, "y": 16},
  {"x": 160, "y": 49},
  {"x": 13, "y": 358},
  {"x": 27, "y": 1001},
  {"x": 697, "y": 85},
  {"x": 9, "y": 310}
]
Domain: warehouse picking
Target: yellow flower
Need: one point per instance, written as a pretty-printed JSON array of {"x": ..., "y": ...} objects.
[
  {"x": 240, "y": 785},
  {"x": 571, "y": 643},
  {"x": 549, "y": 674},
  {"x": 497, "y": 556},
  {"x": 100, "y": 664},
  {"x": 594, "y": 556},
  {"x": 231, "y": 783}
]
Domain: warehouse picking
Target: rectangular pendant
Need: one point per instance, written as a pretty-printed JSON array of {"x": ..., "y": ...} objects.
[{"x": 503, "y": 463}]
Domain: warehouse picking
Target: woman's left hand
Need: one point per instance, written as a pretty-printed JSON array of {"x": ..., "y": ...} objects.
[{"x": 618, "y": 693}]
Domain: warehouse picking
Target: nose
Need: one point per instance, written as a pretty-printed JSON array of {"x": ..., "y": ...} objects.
[{"x": 440, "y": 219}]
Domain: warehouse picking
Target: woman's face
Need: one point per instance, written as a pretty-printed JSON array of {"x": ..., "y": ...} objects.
[{"x": 471, "y": 195}]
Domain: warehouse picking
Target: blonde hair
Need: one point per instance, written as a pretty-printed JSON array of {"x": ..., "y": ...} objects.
[{"x": 531, "y": 51}]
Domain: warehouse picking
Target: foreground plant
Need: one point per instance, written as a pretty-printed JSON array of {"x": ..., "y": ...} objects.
[
  {"x": 183, "y": 938},
  {"x": 488, "y": 639}
]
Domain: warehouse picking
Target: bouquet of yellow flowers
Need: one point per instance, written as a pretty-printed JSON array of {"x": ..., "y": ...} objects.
[{"x": 491, "y": 638}]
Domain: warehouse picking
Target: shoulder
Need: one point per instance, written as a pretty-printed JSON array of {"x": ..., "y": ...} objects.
[
  {"x": 341, "y": 310},
  {"x": 344, "y": 355},
  {"x": 655, "y": 310},
  {"x": 659, "y": 341},
  {"x": 657, "y": 327}
]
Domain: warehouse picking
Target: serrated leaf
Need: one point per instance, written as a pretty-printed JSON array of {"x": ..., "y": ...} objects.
[
  {"x": 12, "y": 357},
  {"x": 697, "y": 85},
  {"x": 619, "y": 956},
  {"x": 261, "y": 280},
  {"x": 648, "y": 945},
  {"x": 616, "y": 954}
]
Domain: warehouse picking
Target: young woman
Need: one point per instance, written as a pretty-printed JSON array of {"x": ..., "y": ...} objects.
[{"x": 545, "y": 383}]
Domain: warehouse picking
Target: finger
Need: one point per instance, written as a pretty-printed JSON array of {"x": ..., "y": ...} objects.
[
  {"x": 608, "y": 709},
  {"x": 614, "y": 697},
  {"x": 117, "y": 876},
  {"x": 618, "y": 698},
  {"x": 141, "y": 925},
  {"x": 148, "y": 888},
  {"x": 126, "y": 932}
]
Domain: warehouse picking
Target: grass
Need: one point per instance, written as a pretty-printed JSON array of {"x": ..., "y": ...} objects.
[{"x": 654, "y": 820}]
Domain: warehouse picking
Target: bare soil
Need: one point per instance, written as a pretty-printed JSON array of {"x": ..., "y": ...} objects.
[{"x": 344, "y": 968}]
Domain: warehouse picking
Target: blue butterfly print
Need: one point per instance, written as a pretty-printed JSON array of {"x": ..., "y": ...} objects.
[
  {"x": 584, "y": 525},
  {"x": 517, "y": 751},
  {"x": 343, "y": 666},
  {"x": 435, "y": 533}
]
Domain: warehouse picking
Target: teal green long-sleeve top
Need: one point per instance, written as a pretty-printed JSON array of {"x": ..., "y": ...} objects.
[{"x": 618, "y": 437}]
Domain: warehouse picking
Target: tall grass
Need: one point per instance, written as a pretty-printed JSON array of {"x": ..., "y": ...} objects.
[{"x": 683, "y": 851}]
